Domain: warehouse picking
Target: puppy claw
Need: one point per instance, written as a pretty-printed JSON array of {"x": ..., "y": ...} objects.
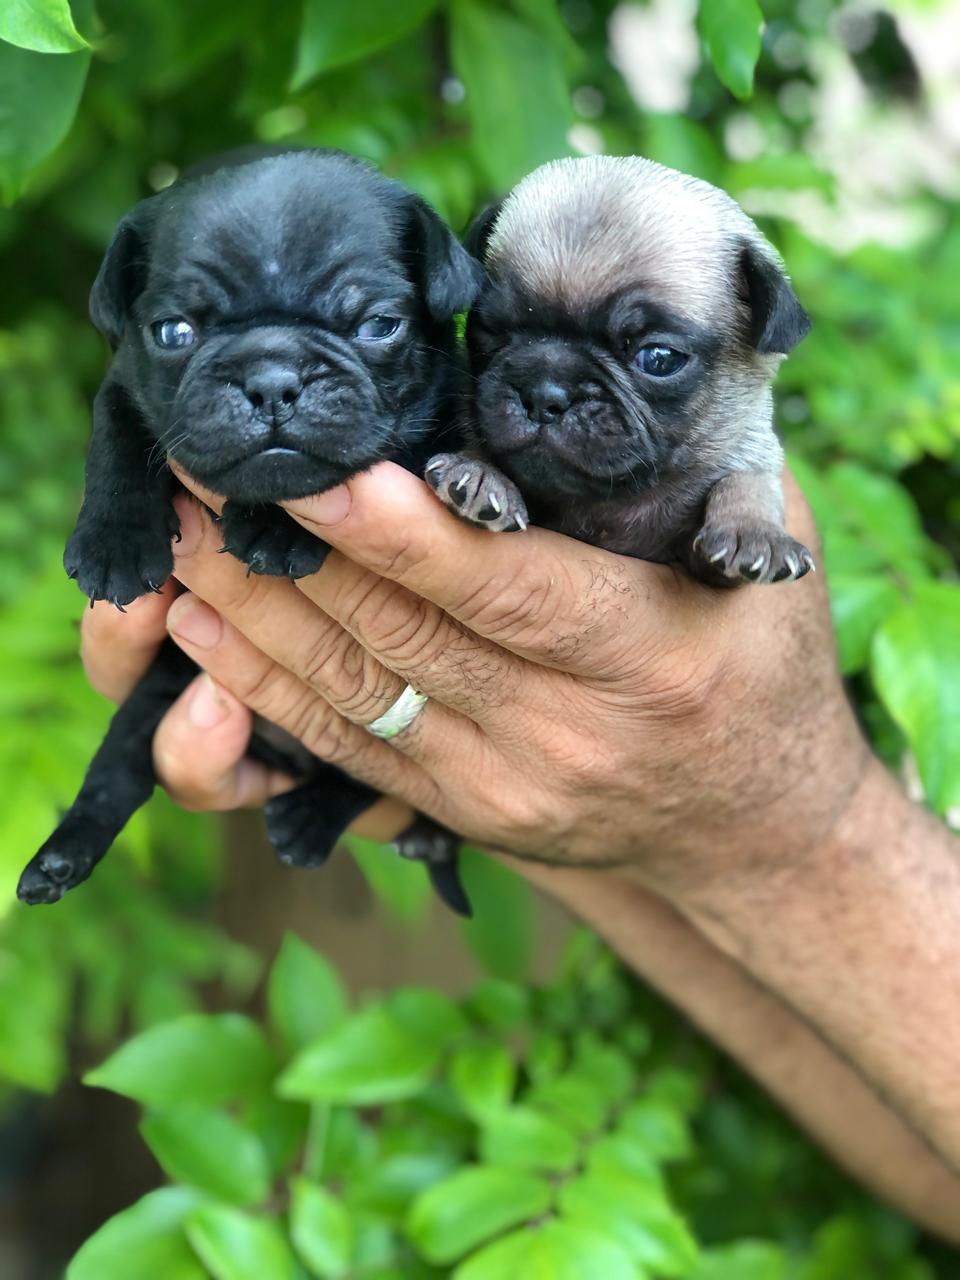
[
  {"x": 268, "y": 542},
  {"x": 760, "y": 552},
  {"x": 477, "y": 492}
]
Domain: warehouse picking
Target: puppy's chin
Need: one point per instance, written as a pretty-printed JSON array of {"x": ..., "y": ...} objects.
[
  {"x": 271, "y": 475},
  {"x": 540, "y": 470}
]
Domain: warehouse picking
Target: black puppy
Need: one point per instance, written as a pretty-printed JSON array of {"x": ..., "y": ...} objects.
[{"x": 279, "y": 323}]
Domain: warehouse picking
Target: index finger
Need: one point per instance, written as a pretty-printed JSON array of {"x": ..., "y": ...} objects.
[{"x": 543, "y": 596}]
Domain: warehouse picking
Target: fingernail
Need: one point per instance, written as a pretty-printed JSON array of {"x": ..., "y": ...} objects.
[
  {"x": 325, "y": 508},
  {"x": 207, "y": 707},
  {"x": 195, "y": 622},
  {"x": 191, "y": 526}
]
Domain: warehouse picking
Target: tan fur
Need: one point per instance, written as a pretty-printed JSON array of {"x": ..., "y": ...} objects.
[{"x": 576, "y": 229}]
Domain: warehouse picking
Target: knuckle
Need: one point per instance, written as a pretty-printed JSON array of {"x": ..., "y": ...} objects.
[
  {"x": 528, "y": 816},
  {"x": 405, "y": 628},
  {"x": 182, "y": 777},
  {"x": 329, "y": 737},
  {"x": 349, "y": 677},
  {"x": 403, "y": 559}
]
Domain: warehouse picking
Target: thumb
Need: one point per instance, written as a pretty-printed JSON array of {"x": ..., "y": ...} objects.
[{"x": 199, "y": 752}]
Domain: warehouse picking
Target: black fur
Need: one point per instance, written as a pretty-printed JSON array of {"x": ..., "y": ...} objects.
[{"x": 274, "y": 261}]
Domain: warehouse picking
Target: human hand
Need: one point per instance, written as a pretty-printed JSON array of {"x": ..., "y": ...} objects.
[
  {"x": 200, "y": 747},
  {"x": 585, "y": 707}
]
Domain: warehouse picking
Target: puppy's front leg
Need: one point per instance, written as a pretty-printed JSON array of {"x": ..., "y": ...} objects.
[
  {"x": 477, "y": 492},
  {"x": 743, "y": 538},
  {"x": 268, "y": 541},
  {"x": 120, "y": 548}
]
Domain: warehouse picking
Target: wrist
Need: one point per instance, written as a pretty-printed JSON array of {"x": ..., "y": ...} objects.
[{"x": 858, "y": 850}]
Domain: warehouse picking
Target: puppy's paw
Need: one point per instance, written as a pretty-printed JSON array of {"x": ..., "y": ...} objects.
[
  {"x": 124, "y": 554},
  {"x": 438, "y": 848},
  {"x": 268, "y": 541},
  {"x": 477, "y": 492},
  {"x": 748, "y": 553},
  {"x": 294, "y": 829},
  {"x": 48, "y": 876}
]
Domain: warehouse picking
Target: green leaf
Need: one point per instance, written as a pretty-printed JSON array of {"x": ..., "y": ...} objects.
[
  {"x": 498, "y": 1004},
  {"x": 335, "y": 34},
  {"x": 209, "y": 1150},
  {"x": 280, "y": 1125},
  {"x": 557, "y": 1251},
  {"x": 46, "y": 26},
  {"x": 320, "y": 1229},
  {"x": 517, "y": 97},
  {"x": 575, "y": 1102},
  {"x": 145, "y": 1240},
  {"x": 860, "y": 603},
  {"x": 470, "y": 1206},
  {"x": 427, "y": 1014},
  {"x": 235, "y": 1246},
  {"x": 370, "y": 1058},
  {"x": 399, "y": 883},
  {"x": 388, "y": 1187},
  {"x": 34, "y": 1015},
  {"x": 730, "y": 30},
  {"x": 637, "y": 1215},
  {"x": 501, "y": 932},
  {"x": 523, "y": 1138},
  {"x": 505, "y": 1258},
  {"x": 747, "y": 1260},
  {"x": 305, "y": 997},
  {"x": 880, "y": 513},
  {"x": 208, "y": 1058},
  {"x": 610, "y": 1070},
  {"x": 619, "y": 1157},
  {"x": 658, "y": 1128},
  {"x": 916, "y": 670},
  {"x": 483, "y": 1076},
  {"x": 39, "y": 96}
]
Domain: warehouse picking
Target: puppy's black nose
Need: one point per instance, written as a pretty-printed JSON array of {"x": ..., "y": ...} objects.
[
  {"x": 545, "y": 400},
  {"x": 273, "y": 389}
]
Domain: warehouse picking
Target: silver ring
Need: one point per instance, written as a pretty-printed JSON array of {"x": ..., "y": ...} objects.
[{"x": 400, "y": 716}]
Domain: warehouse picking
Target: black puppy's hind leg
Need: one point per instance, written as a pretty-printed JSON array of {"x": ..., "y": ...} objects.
[
  {"x": 438, "y": 849},
  {"x": 305, "y": 824},
  {"x": 120, "y": 779}
]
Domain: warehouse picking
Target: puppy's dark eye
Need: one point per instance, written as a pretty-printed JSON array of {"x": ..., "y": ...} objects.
[
  {"x": 376, "y": 327},
  {"x": 658, "y": 361},
  {"x": 173, "y": 333}
]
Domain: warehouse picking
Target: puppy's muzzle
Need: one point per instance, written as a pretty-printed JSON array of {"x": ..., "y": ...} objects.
[{"x": 273, "y": 388}]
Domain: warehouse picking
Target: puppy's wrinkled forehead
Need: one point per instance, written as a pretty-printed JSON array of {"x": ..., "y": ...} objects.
[
  {"x": 284, "y": 231},
  {"x": 577, "y": 230}
]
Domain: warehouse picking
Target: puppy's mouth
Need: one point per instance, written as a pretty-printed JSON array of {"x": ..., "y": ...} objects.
[
  {"x": 274, "y": 474},
  {"x": 586, "y": 449}
]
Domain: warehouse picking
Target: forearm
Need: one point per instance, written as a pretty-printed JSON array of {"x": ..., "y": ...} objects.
[
  {"x": 862, "y": 939},
  {"x": 820, "y": 1090}
]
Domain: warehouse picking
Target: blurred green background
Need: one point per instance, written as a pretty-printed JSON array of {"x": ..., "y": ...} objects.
[{"x": 837, "y": 125}]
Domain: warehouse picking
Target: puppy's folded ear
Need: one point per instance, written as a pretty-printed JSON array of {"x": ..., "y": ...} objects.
[
  {"x": 777, "y": 320},
  {"x": 448, "y": 277},
  {"x": 122, "y": 274},
  {"x": 479, "y": 230}
]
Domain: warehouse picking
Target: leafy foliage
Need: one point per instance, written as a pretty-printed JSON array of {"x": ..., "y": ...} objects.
[{"x": 410, "y": 1162}]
